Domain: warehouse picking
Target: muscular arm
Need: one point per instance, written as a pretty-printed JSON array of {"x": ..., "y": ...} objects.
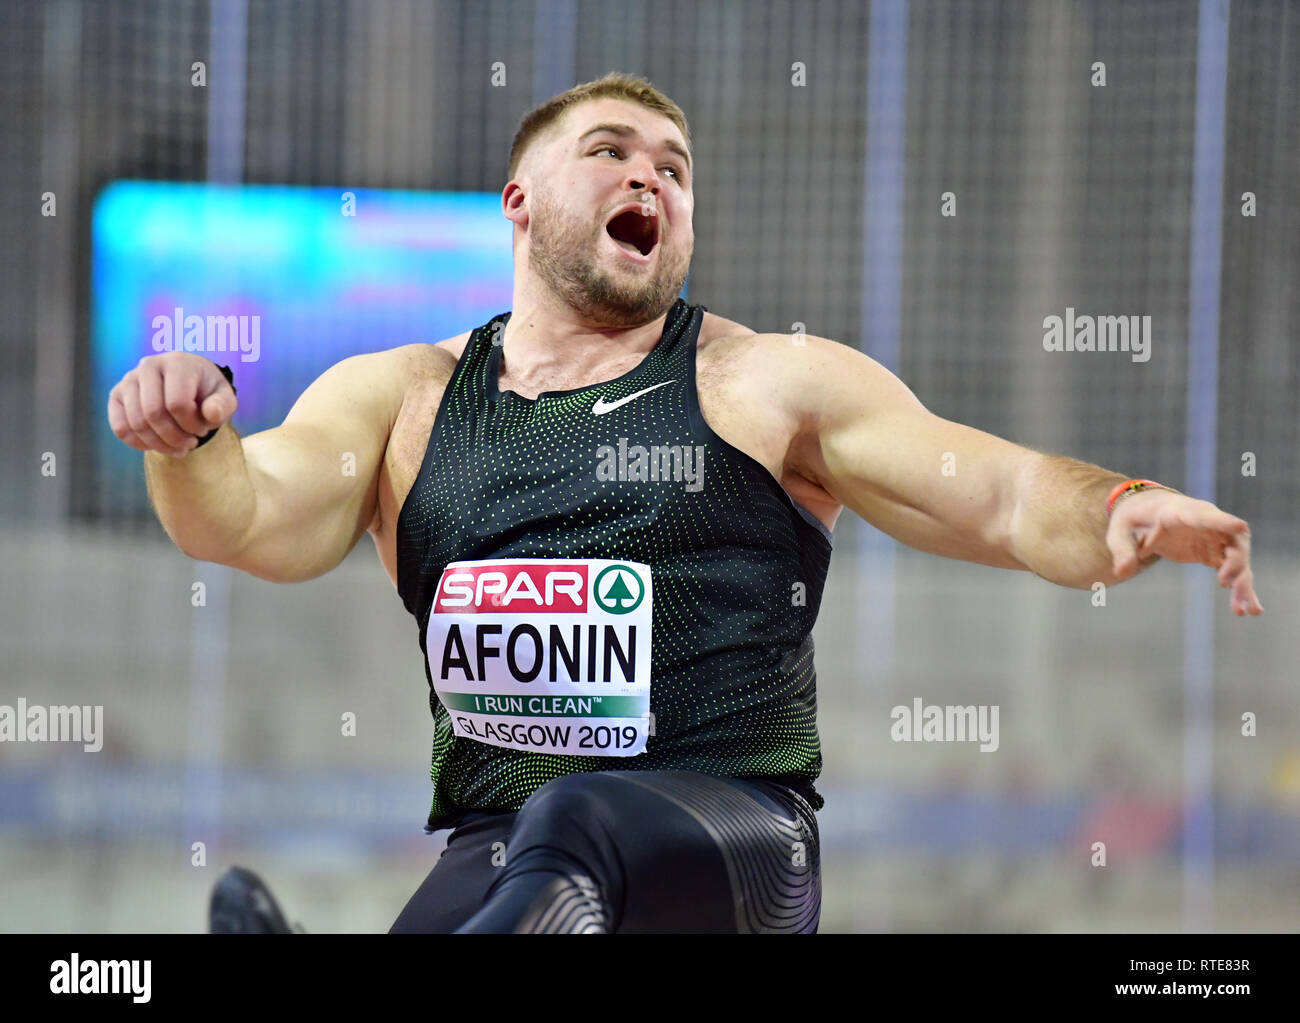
[
  {"x": 933, "y": 484},
  {"x": 287, "y": 504}
]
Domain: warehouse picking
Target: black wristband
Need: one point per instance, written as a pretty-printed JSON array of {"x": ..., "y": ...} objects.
[{"x": 230, "y": 379}]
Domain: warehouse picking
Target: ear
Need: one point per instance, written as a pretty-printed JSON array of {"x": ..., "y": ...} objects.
[{"x": 514, "y": 205}]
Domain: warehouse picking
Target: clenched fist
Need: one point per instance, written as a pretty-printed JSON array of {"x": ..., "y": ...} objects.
[{"x": 169, "y": 401}]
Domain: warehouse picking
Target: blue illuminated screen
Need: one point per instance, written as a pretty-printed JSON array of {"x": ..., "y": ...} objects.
[{"x": 280, "y": 283}]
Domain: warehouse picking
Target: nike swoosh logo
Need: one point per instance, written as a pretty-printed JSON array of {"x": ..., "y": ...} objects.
[{"x": 601, "y": 406}]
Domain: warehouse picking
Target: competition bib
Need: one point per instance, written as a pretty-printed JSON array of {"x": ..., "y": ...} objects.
[{"x": 549, "y": 656}]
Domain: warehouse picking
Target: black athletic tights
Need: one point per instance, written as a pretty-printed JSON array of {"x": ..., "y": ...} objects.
[{"x": 629, "y": 852}]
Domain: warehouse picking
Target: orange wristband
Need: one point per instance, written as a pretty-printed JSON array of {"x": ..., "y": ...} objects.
[{"x": 1130, "y": 486}]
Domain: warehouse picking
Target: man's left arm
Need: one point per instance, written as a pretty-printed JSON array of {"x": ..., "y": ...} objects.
[{"x": 949, "y": 489}]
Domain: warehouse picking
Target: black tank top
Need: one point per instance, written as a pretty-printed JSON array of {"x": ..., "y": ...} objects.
[{"x": 626, "y": 470}]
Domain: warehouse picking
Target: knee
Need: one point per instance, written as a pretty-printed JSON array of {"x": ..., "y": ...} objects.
[
  {"x": 574, "y": 816},
  {"x": 568, "y": 827},
  {"x": 565, "y": 805}
]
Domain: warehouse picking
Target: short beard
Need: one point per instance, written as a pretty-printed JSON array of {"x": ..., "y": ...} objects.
[{"x": 562, "y": 252}]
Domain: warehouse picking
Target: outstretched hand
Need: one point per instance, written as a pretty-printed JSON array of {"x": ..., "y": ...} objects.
[{"x": 1153, "y": 524}]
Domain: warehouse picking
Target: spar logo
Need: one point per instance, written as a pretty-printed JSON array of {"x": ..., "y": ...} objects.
[
  {"x": 524, "y": 588},
  {"x": 556, "y": 587},
  {"x": 618, "y": 590}
]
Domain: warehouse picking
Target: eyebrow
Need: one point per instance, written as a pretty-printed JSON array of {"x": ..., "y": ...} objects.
[{"x": 623, "y": 130}]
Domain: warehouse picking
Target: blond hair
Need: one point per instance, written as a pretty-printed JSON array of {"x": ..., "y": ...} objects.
[{"x": 612, "y": 86}]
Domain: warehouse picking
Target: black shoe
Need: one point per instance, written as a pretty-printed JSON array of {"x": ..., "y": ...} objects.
[{"x": 242, "y": 904}]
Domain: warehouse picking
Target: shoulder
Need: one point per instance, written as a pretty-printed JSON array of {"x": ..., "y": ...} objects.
[
  {"x": 728, "y": 338},
  {"x": 418, "y": 365},
  {"x": 389, "y": 380},
  {"x": 807, "y": 375},
  {"x": 453, "y": 346},
  {"x": 715, "y": 327},
  {"x": 726, "y": 343}
]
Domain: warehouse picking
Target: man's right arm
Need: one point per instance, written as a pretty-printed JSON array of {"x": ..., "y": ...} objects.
[{"x": 286, "y": 504}]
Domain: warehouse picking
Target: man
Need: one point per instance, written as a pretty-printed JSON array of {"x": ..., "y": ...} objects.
[{"x": 610, "y": 513}]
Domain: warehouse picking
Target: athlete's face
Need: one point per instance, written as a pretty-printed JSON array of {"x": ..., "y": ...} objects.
[{"x": 609, "y": 214}]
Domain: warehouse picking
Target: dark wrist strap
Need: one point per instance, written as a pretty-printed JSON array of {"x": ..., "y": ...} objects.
[{"x": 230, "y": 379}]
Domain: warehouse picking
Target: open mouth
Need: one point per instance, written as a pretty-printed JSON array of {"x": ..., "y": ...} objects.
[{"x": 635, "y": 231}]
